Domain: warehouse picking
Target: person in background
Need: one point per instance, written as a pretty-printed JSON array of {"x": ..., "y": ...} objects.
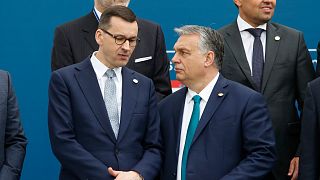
[
  {"x": 310, "y": 133},
  {"x": 74, "y": 41},
  {"x": 13, "y": 141},
  {"x": 272, "y": 59},
  {"x": 318, "y": 60}
]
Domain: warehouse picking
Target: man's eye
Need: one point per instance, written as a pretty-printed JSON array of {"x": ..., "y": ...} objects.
[
  {"x": 120, "y": 38},
  {"x": 133, "y": 40}
]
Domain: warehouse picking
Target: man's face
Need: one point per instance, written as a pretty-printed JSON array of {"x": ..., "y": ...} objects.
[
  {"x": 256, "y": 12},
  {"x": 111, "y": 54},
  {"x": 188, "y": 59},
  {"x": 108, "y": 3}
]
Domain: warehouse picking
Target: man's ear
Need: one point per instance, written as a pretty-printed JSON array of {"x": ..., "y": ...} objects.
[
  {"x": 209, "y": 59},
  {"x": 99, "y": 37},
  {"x": 237, "y": 2}
]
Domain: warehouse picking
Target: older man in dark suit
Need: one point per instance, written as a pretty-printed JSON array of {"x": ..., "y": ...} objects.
[
  {"x": 12, "y": 140},
  {"x": 272, "y": 59},
  {"x": 213, "y": 128},
  {"x": 74, "y": 41},
  {"x": 310, "y": 134}
]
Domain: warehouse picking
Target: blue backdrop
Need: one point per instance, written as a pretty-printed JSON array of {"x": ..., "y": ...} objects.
[{"x": 27, "y": 31}]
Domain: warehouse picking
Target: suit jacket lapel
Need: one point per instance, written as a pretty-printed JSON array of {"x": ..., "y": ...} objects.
[
  {"x": 88, "y": 83},
  {"x": 130, "y": 92},
  {"x": 272, "y": 47},
  {"x": 90, "y": 30},
  {"x": 212, "y": 105},
  {"x": 234, "y": 41},
  {"x": 178, "y": 114}
]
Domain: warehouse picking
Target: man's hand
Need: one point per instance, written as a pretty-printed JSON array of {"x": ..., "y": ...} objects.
[
  {"x": 294, "y": 168},
  {"x": 124, "y": 175}
]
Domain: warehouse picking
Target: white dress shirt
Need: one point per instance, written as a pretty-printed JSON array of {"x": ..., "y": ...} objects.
[
  {"x": 187, "y": 112},
  {"x": 100, "y": 69},
  {"x": 97, "y": 12},
  {"x": 248, "y": 39}
]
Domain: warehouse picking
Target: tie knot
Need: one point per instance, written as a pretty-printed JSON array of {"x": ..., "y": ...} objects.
[
  {"x": 256, "y": 32},
  {"x": 196, "y": 99},
  {"x": 110, "y": 73}
]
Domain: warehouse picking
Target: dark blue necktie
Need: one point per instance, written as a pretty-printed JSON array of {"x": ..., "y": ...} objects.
[
  {"x": 190, "y": 133},
  {"x": 257, "y": 57}
]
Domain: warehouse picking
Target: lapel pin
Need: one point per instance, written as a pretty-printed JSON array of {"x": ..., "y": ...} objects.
[
  {"x": 277, "y": 38},
  {"x": 135, "y": 81},
  {"x": 220, "y": 94}
]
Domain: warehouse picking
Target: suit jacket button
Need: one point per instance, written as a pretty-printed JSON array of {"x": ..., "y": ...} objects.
[
  {"x": 116, "y": 151},
  {"x": 174, "y": 174}
]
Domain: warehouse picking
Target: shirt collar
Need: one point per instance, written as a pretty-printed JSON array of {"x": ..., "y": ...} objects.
[
  {"x": 97, "y": 12},
  {"x": 205, "y": 93},
  {"x": 243, "y": 25},
  {"x": 100, "y": 69}
]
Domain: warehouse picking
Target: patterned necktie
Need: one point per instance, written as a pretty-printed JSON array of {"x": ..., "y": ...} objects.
[
  {"x": 190, "y": 133},
  {"x": 257, "y": 57},
  {"x": 110, "y": 100}
]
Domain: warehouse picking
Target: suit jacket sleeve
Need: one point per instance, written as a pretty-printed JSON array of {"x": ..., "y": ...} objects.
[
  {"x": 61, "y": 54},
  {"x": 318, "y": 59},
  {"x": 15, "y": 141},
  {"x": 68, "y": 151},
  {"x": 258, "y": 142},
  {"x": 161, "y": 77},
  {"x": 304, "y": 71},
  {"x": 309, "y": 157},
  {"x": 149, "y": 165}
]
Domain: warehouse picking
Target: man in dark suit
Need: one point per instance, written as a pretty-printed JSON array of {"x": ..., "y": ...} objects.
[
  {"x": 318, "y": 59},
  {"x": 213, "y": 128},
  {"x": 75, "y": 41},
  {"x": 103, "y": 115},
  {"x": 277, "y": 64},
  {"x": 12, "y": 142},
  {"x": 310, "y": 134}
]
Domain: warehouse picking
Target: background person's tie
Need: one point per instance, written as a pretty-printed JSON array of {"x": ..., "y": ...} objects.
[
  {"x": 110, "y": 99},
  {"x": 190, "y": 133},
  {"x": 257, "y": 57}
]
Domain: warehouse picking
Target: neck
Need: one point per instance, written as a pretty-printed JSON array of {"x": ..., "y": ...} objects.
[{"x": 199, "y": 84}]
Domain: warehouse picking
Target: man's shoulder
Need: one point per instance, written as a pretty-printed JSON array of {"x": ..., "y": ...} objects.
[
  {"x": 148, "y": 26},
  {"x": 71, "y": 69},
  {"x": 3, "y": 73},
  {"x": 240, "y": 90},
  {"x": 315, "y": 84},
  {"x": 79, "y": 22},
  {"x": 284, "y": 28},
  {"x": 173, "y": 98},
  {"x": 227, "y": 27}
]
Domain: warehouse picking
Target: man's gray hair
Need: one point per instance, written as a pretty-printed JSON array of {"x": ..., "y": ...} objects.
[{"x": 210, "y": 40}]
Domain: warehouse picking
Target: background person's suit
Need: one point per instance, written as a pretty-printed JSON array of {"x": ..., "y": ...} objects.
[
  {"x": 233, "y": 140},
  {"x": 318, "y": 60},
  {"x": 80, "y": 131},
  {"x": 287, "y": 70},
  {"x": 75, "y": 41},
  {"x": 309, "y": 167},
  {"x": 12, "y": 140}
]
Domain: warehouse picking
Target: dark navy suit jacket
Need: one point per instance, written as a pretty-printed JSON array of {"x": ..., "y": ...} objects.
[
  {"x": 309, "y": 167},
  {"x": 80, "y": 131},
  {"x": 12, "y": 139},
  {"x": 233, "y": 140}
]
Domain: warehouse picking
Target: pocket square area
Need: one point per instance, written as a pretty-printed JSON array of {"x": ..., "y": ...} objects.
[{"x": 143, "y": 59}]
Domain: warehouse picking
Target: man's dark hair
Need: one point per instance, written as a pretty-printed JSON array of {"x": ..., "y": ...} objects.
[{"x": 116, "y": 11}]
